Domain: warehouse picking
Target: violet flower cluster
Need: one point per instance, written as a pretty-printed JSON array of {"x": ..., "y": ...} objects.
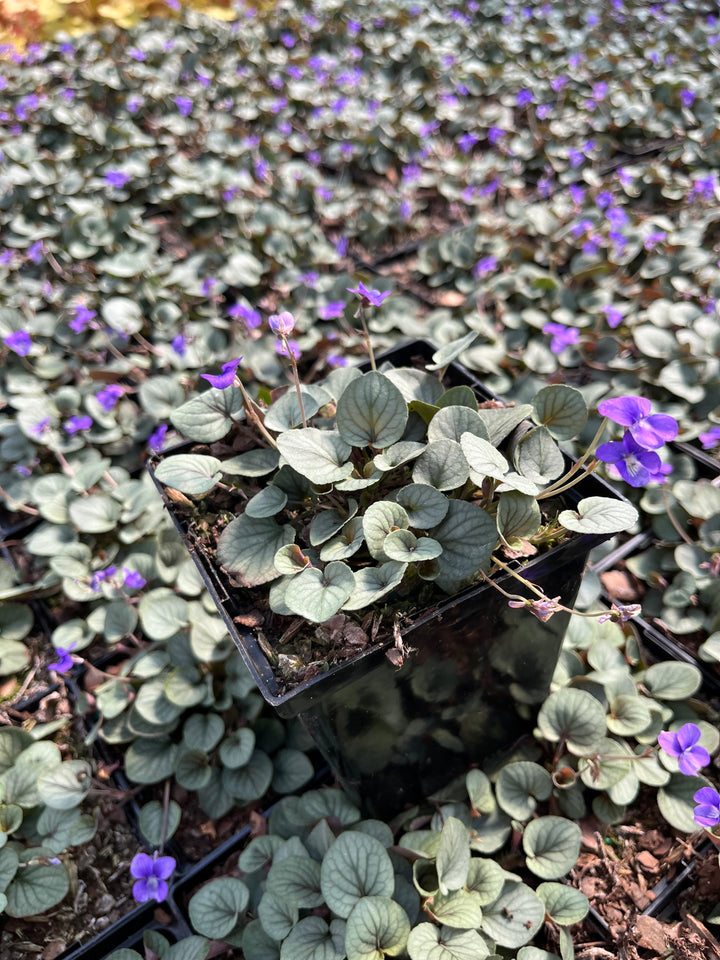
[
  {"x": 691, "y": 757},
  {"x": 635, "y": 458}
]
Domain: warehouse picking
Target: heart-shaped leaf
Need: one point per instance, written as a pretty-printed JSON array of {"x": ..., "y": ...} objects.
[
  {"x": 247, "y": 548},
  {"x": 561, "y": 409},
  {"x": 564, "y": 904},
  {"x": 515, "y": 917},
  {"x": 356, "y": 866},
  {"x": 209, "y": 417},
  {"x": 574, "y": 716},
  {"x": 538, "y": 457},
  {"x": 452, "y": 422},
  {"x": 552, "y": 846},
  {"x": 377, "y": 927},
  {"x": 371, "y": 583},
  {"x": 425, "y": 506},
  {"x": 190, "y": 473},
  {"x": 404, "y": 546},
  {"x": 441, "y": 465},
  {"x": 319, "y": 455},
  {"x": 317, "y": 594},
  {"x": 520, "y": 785},
  {"x": 216, "y": 909},
  {"x": 599, "y": 515},
  {"x": 371, "y": 412},
  {"x": 467, "y": 536}
]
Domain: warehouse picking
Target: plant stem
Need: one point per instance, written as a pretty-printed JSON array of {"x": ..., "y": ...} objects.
[
  {"x": 366, "y": 335},
  {"x": 252, "y": 412},
  {"x": 166, "y": 810},
  {"x": 296, "y": 379},
  {"x": 554, "y": 487}
]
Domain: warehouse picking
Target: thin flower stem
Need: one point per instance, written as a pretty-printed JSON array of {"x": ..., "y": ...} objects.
[
  {"x": 553, "y": 488},
  {"x": 521, "y": 579},
  {"x": 673, "y": 521},
  {"x": 13, "y": 505},
  {"x": 166, "y": 810},
  {"x": 252, "y": 413},
  {"x": 366, "y": 335},
  {"x": 296, "y": 378},
  {"x": 555, "y": 491}
]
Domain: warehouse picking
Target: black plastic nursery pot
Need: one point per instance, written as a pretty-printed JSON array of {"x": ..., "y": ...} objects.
[{"x": 473, "y": 672}]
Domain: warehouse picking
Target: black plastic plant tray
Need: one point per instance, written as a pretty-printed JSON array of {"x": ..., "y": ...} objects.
[
  {"x": 663, "y": 648},
  {"x": 709, "y": 465},
  {"x": 127, "y": 933},
  {"x": 664, "y": 906}
]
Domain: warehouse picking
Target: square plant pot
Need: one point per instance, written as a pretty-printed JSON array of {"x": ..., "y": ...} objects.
[{"x": 472, "y": 672}]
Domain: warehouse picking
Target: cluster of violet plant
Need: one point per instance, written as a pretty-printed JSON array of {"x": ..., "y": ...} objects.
[{"x": 633, "y": 459}]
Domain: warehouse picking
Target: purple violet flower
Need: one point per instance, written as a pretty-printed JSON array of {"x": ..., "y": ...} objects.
[
  {"x": 282, "y": 324},
  {"x": 372, "y": 297},
  {"x": 684, "y": 746},
  {"x": 223, "y": 380},
  {"x": 82, "y": 319},
  {"x": 577, "y": 193},
  {"x": 711, "y": 439},
  {"x": 157, "y": 438},
  {"x": 708, "y": 813},
  {"x": 251, "y": 318},
  {"x": 75, "y": 424},
  {"x": 100, "y": 576},
  {"x": 184, "y": 105},
  {"x": 525, "y": 97},
  {"x": 484, "y": 266},
  {"x": 133, "y": 579},
  {"x": 331, "y": 310},
  {"x": 179, "y": 345},
  {"x": 562, "y": 336},
  {"x": 687, "y": 97},
  {"x": 613, "y": 315},
  {"x": 109, "y": 396},
  {"x": 64, "y": 661},
  {"x": 116, "y": 178},
  {"x": 467, "y": 141},
  {"x": 151, "y": 874},
  {"x": 649, "y": 431},
  {"x": 495, "y": 135},
  {"x": 19, "y": 342},
  {"x": 635, "y": 464}
]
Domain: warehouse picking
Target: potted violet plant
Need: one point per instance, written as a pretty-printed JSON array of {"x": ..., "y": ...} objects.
[{"x": 378, "y": 543}]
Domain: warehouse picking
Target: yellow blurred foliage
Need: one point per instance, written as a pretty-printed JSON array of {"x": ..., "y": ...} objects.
[{"x": 27, "y": 21}]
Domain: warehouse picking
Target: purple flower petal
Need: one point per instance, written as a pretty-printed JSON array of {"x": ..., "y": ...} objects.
[
  {"x": 141, "y": 866},
  {"x": 688, "y": 735},
  {"x": 691, "y": 760},
  {"x": 223, "y": 380},
  {"x": 668, "y": 741},
  {"x": 164, "y": 867},
  {"x": 625, "y": 410},
  {"x": 655, "y": 430}
]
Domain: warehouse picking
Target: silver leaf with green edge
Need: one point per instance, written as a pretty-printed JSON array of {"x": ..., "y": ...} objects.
[
  {"x": 210, "y": 416},
  {"x": 453, "y": 856},
  {"x": 257, "y": 945},
  {"x": 356, "y": 866},
  {"x": 328, "y": 522},
  {"x": 314, "y": 939},
  {"x": 575, "y": 717},
  {"x": 425, "y": 506},
  {"x": 518, "y": 515},
  {"x": 404, "y": 546},
  {"x": 217, "y": 907},
  {"x": 379, "y": 520},
  {"x": 561, "y": 409},
  {"x": 599, "y": 515},
  {"x": 452, "y": 422},
  {"x": 152, "y": 817},
  {"x": 285, "y": 413},
  {"x": 36, "y": 889},
  {"x": 266, "y": 503},
  {"x": 480, "y": 792},
  {"x": 162, "y": 613},
  {"x": 552, "y": 846},
  {"x": 372, "y": 583},
  {"x": 252, "y": 463},
  {"x": 318, "y": 594},
  {"x": 467, "y": 536},
  {"x": 520, "y": 785},
  {"x": 451, "y": 351},
  {"x": 371, "y": 412},
  {"x": 538, "y": 457},
  {"x": 190, "y": 473},
  {"x": 459, "y": 909},
  {"x": 277, "y": 915},
  {"x": 485, "y": 879},
  {"x": 291, "y": 770},
  {"x": 672, "y": 680},
  {"x": 377, "y": 927},
  {"x": 427, "y": 942},
  {"x": 251, "y": 781},
  {"x": 296, "y": 880},
  {"x": 515, "y": 917},
  {"x": 441, "y": 465},
  {"x": 320, "y": 455},
  {"x": 247, "y": 548},
  {"x": 397, "y": 454},
  {"x": 346, "y": 543},
  {"x": 66, "y": 785}
]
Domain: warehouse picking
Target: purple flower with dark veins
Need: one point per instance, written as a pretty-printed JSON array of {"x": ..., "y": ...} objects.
[
  {"x": 635, "y": 464},
  {"x": 684, "y": 746},
  {"x": 649, "y": 430},
  {"x": 151, "y": 874}
]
